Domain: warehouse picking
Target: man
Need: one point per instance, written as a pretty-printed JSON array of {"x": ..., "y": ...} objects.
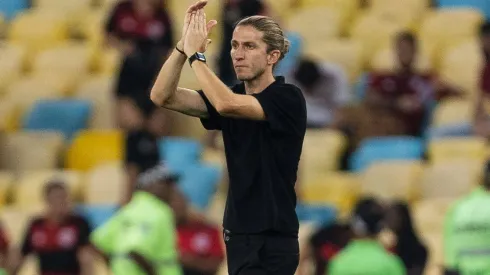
[
  {"x": 466, "y": 232},
  {"x": 200, "y": 243},
  {"x": 59, "y": 238},
  {"x": 263, "y": 121},
  {"x": 365, "y": 255},
  {"x": 140, "y": 239}
]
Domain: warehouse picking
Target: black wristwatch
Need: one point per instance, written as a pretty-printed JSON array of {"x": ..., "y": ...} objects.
[{"x": 197, "y": 56}]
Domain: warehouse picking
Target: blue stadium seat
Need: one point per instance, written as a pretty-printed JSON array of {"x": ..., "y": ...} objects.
[
  {"x": 199, "y": 183},
  {"x": 66, "y": 116},
  {"x": 180, "y": 153},
  {"x": 482, "y": 5},
  {"x": 10, "y": 8},
  {"x": 321, "y": 215},
  {"x": 386, "y": 148},
  {"x": 289, "y": 62},
  {"x": 96, "y": 215}
]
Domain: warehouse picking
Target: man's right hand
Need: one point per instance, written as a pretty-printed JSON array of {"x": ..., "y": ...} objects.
[{"x": 192, "y": 9}]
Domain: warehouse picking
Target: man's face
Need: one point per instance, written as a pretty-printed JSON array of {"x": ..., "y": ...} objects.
[
  {"x": 58, "y": 202},
  {"x": 405, "y": 52},
  {"x": 249, "y": 53}
]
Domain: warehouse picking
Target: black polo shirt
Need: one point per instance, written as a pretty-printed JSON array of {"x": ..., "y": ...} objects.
[{"x": 262, "y": 159}]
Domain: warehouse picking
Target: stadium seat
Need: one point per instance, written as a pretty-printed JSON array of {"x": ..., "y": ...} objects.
[
  {"x": 106, "y": 185},
  {"x": 96, "y": 215},
  {"x": 91, "y": 148},
  {"x": 99, "y": 91},
  {"x": 283, "y": 9},
  {"x": 16, "y": 221},
  {"x": 482, "y": 5},
  {"x": 429, "y": 214},
  {"x": 461, "y": 65},
  {"x": 435, "y": 245},
  {"x": 372, "y": 42},
  {"x": 6, "y": 181},
  {"x": 392, "y": 180},
  {"x": 322, "y": 150},
  {"x": 339, "y": 189},
  {"x": 69, "y": 61},
  {"x": 74, "y": 9},
  {"x": 343, "y": 52},
  {"x": 66, "y": 116},
  {"x": 450, "y": 178},
  {"x": 180, "y": 153},
  {"x": 448, "y": 27},
  {"x": 453, "y": 112},
  {"x": 302, "y": 20},
  {"x": 347, "y": 8},
  {"x": 7, "y": 113},
  {"x": 23, "y": 151},
  {"x": 10, "y": 9},
  {"x": 12, "y": 64},
  {"x": 91, "y": 26},
  {"x": 386, "y": 148},
  {"x": 28, "y": 192},
  {"x": 109, "y": 62},
  {"x": 51, "y": 29},
  {"x": 385, "y": 60},
  {"x": 406, "y": 13},
  {"x": 318, "y": 214},
  {"x": 2, "y": 25},
  {"x": 470, "y": 148},
  {"x": 199, "y": 183},
  {"x": 288, "y": 64}
]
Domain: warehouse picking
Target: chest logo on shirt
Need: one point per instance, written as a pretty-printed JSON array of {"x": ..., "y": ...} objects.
[
  {"x": 201, "y": 243},
  {"x": 128, "y": 24},
  {"x": 39, "y": 239},
  {"x": 67, "y": 237}
]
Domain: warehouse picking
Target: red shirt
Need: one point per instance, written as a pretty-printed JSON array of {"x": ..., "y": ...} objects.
[
  {"x": 395, "y": 85},
  {"x": 200, "y": 239}
]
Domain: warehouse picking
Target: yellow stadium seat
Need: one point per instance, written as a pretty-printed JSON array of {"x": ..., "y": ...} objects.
[
  {"x": 453, "y": 111},
  {"x": 450, "y": 178},
  {"x": 28, "y": 192},
  {"x": 16, "y": 221},
  {"x": 392, "y": 180},
  {"x": 406, "y": 13},
  {"x": 448, "y": 27},
  {"x": 92, "y": 148},
  {"x": 91, "y": 26},
  {"x": 6, "y": 181},
  {"x": 336, "y": 188},
  {"x": 31, "y": 150},
  {"x": 322, "y": 150},
  {"x": 12, "y": 64},
  {"x": 348, "y": 8},
  {"x": 106, "y": 184},
  {"x": 372, "y": 41},
  {"x": 282, "y": 8},
  {"x": 8, "y": 122},
  {"x": 429, "y": 214},
  {"x": 2, "y": 25},
  {"x": 435, "y": 245},
  {"x": 461, "y": 66},
  {"x": 303, "y": 20},
  {"x": 109, "y": 62},
  {"x": 385, "y": 60},
  {"x": 345, "y": 52},
  {"x": 39, "y": 29},
  {"x": 472, "y": 148},
  {"x": 99, "y": 90},
  {"x": 74, "y": 9}
]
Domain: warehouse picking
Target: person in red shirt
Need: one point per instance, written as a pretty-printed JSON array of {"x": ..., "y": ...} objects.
[
  {"x": 59, "y": 238},
  {"x": 200, "y": 243},
  {"x": 482, "y": 120}
]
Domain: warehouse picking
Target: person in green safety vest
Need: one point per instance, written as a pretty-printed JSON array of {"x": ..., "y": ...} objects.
[
  {"x": 365, "y": 254},
  {"x": 141, "y": 237},
  {"x": 467, "y": 232}
]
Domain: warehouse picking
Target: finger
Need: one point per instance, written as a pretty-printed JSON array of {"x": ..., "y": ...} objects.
[
  {"x": 210, "y": 25},
  {"x": 198, "y": 5},
  {"x": 203, "y": 23},
  {"x": 197, "y": 20}
]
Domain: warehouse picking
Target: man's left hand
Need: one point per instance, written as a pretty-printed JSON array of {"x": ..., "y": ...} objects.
[{"x": 197, "y": 33}]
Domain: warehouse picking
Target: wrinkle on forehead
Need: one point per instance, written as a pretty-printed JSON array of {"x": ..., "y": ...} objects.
[{"x": 243, "y": 34}]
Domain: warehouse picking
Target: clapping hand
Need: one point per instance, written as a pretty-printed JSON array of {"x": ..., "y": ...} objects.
[
  {"x": 196, "y": 38},
  {"x": 192, "y": 11}
]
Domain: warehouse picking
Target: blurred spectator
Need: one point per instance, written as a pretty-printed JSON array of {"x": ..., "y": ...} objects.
[
  {"x": 59, "y": 238},
  {"x": 234, "y": 11},
  {"x": 482, "y": 117},
  {"x": 141, "y": 30},
  {"x": 466, "y": 232},
  {"x": 325, "y": 87},
  {"x": 365, "y": 254},
  {"x": 408, "y": 247},
  {"x": 395, "y": 103},
  {"x": 141, "y": 237},
  {"x": 4, "y": 249},
  {"x": 322, "y": 246},
  {"x": 200, "y": 245}
]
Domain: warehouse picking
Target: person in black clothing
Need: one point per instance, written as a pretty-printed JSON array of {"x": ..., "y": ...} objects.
[
  {"x": 59, "y": 238},
  {"x": 263, "y": 121},
  {"x": 409, "y": 248}
]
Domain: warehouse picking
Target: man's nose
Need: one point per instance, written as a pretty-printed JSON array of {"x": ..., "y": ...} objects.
[{"x": 238, "y": 54}]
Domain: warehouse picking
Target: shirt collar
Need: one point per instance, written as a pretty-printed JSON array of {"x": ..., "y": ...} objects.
[
  {"x": 142, "y": 196},
  {"x": 240, "y": 88},
  {"x": 365, "y": 243}
]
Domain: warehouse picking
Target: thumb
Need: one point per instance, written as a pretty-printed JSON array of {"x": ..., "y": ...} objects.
[{"x": 210, "y": 25}]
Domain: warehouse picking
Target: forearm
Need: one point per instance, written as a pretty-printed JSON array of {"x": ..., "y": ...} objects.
[
  {"x": 220, "y": 96},
  {"x": 168, "y": 78}
]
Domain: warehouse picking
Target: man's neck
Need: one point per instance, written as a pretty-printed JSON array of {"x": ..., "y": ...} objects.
[{"x": 259, "y": 84}]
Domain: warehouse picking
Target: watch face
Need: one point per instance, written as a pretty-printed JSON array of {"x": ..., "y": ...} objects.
[{"x": 201, "y": 56}]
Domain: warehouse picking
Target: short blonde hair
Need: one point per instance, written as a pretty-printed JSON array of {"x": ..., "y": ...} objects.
[{"x": 273, "y": 35}]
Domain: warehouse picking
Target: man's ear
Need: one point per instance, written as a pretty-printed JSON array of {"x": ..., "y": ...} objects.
[{"x": 273, "y": 57}]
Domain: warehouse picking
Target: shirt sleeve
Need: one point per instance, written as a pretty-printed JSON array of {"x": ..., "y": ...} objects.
[
  {"x": 216, "y": 247},
  {"x": 27, "y": 248},
  {"x": 398, "y": 267},
  {"x": 285, "y": 109},
  {"x": 213, "y": 122},
  {"x": 105, "y": 236}
]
